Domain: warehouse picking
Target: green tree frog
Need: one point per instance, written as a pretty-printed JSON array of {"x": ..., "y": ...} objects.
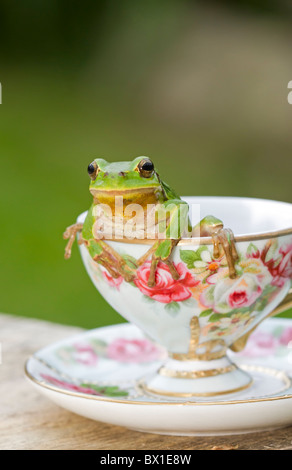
[{"x": 130, "y": 200}]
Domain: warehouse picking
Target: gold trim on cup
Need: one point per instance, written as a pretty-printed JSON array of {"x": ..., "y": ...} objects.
[
  {"x": 194, "y": 353},
  {"x": 206, "y": 240}
]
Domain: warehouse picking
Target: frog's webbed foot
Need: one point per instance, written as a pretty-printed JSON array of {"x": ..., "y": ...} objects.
[
  {"x": 222, "y": 238},
  {"x": 113, "y": 262},
  {"x": 161, "y": 251},
  {"x": 70, "y": 233}
]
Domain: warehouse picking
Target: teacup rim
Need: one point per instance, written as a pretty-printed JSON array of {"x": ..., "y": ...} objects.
[{"x": 265, "y": 235}]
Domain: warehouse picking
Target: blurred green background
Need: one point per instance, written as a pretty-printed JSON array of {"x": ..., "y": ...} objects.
[{"x": 200, "y": 87}]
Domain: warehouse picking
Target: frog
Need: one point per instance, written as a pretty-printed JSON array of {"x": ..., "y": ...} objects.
[{"x": 137, "y": 184}]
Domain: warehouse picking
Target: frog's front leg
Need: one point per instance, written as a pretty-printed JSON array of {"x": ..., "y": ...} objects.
[
  {"x": 224, "y": 237},
  {"x": 70, "y": 233},
  {"x": 101, "y": 252},
  {"x": 172, "y": 221}
]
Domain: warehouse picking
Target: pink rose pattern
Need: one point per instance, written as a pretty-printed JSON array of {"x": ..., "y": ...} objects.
[
  {"x": 69, "y": 386},
  {"x": 240, "y": 298},
  {"x": 279, "y": 267},
  {"x": 133, "y": 351},
  {"x": 139, "y": 351},
  {"x": 261, "y": 273},
  {"x": 113, "y": 282},
  {"x": 262, "y": 344},
  {"x": 87, "y": 388},
  {"x": 85, "y": 354},
  {"x": 265, "y": 270},
  {"x": 229, "y": 294},
  {"x": 78, "y": 354},
  {"x": 166, "y": 289}
]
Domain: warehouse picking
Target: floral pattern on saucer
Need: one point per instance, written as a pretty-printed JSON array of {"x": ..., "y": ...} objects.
[
  {"x": 275, "y": 342},
  {"x": 122, "y": 350},
  {"x": 87, "y": 388},
  {"x": 108, "y": 362}
]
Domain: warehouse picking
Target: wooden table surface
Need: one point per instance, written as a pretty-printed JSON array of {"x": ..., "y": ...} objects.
[{"x": 31, "y": 421}]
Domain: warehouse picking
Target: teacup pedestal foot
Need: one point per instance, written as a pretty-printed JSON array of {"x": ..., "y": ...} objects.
[{"x": 196, "y": 378}]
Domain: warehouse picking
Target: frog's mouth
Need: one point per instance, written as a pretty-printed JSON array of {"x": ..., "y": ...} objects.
[{"x": 140, "y": 196}]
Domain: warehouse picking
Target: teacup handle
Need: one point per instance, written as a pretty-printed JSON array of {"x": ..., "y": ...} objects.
[{"x": 240, "y": 343}]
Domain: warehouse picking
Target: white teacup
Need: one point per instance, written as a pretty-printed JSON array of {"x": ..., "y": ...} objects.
[{"x": 199, "y": 316}]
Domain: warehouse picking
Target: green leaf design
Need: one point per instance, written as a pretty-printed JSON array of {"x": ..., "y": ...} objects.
[
  {"x": 200, "y": 250},
  {"x": 272, "y": 250},
  {"x": 191, "y": 302},
  {"x": 204, "y": 280},
  {"x": 269, "y": 289},
  {"x": 190, "y": 256},
  {"x": 172, "y": 308},
  {"x": 206, "y": 313},
  {"x": 110, "y": 391},
  {"x": 277, "y": 332},
  {"x": 241, "y": 310},
  {"x": 99, "y": 346},
  {"x": 209, "y": 295},
  {"x": 216, "y": 317},
  {"x": 148, "y": 299},
  {"x": 260, "y": 305},
  {"x": 251, "y": 249}
]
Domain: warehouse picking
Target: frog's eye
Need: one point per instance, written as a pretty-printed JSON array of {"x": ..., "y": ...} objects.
[
  {"x": 146, "y": 168},
  {"x": 92, "y": 170}
]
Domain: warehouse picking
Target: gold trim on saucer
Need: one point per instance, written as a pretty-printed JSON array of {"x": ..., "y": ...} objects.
[
  {"x": 195, "y": 374},
  {"x": 156, "y": 391},
  {"x": 277, "y": 373}
]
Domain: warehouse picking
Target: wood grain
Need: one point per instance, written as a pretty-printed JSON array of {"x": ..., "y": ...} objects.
[{"x": 30, "y": 421}]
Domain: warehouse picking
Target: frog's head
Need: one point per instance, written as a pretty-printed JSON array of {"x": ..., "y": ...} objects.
[{"x": 137, "y": 181}]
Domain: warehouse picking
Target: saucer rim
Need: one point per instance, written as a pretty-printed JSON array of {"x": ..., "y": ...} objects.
[{"x": 44, "y": 385}]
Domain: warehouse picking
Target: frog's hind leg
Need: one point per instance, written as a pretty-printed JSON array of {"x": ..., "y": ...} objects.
[
  {"x": 232, "y": 243},
  {"x": 225, "y": 238},
  {"x": 70, "y": 233},
  {"x": 151, "y": 279},
  {"x": 162, "y": 252},
  {"x": 112, "y": 261},
  {"x": 172, "y": 269},
  {"x": 147, "y": 255}
]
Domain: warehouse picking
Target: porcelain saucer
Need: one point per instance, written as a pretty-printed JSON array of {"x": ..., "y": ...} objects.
[{"x": 99, "y": 374}]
